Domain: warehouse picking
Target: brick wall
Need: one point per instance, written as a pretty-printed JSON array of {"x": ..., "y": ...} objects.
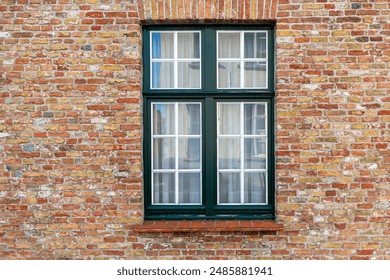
[{"x": 71, "y": 127}]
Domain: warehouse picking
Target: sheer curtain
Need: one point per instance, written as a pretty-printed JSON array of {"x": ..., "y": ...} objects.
[
  {"x": 188, "y": 49},
  {"x": 229, "y": 60},
  {"x": 254, "y": 70},
  {"x": 163, "y": 71}
]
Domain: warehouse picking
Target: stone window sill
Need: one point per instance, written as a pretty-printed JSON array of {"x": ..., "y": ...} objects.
[{"x": 207, "y": 226}]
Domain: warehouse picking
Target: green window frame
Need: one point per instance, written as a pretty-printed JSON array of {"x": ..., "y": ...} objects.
[{"x": 208, "y": 102}]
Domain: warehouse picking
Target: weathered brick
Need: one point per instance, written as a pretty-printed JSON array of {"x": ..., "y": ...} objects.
[{"x": 72, "y": 123}]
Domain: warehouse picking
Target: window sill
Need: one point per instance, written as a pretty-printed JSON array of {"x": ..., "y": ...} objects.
[{"x": 207, "y": 226}]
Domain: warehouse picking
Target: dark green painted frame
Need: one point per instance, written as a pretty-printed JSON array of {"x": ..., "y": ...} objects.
[{"x": 208, "y": 95}]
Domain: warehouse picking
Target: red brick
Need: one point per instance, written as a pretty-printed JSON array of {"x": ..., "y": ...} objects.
[{"x": 71, "y": 93}]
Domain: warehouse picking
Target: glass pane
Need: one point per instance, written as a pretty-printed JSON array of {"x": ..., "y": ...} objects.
[
  {"x": 162, "y": 75},
  {"x": 162, "y": 45},
  {"x": 229, "y": 45},
  {"x": 229, "y": 153},
  {"x": 164, "y": 188},
  {"x": 254, "y": 119},
  {"x": 189, "y": 153},
  {"x": 163, "y": 119},
  {"x": 229, "y": 74},
  {"x": 163, "y": 153},
  {"x": 189, "y": 119},
  {"x": 229, "y": 119},
  {"x": 188, "y": 45},
  {"x": 189, "y": 188},
  {"x": 255, "y": 74},
  {"x": 229, "y": 188},
  {"x": 255, "y": 187},
  {"x": 255, "y": 45},
  {"x": 254, "y": 153},
  {"x": 188, "y": 75}
]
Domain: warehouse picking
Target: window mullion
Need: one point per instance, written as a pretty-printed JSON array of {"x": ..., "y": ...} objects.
[{"x": 210, "y": 152}]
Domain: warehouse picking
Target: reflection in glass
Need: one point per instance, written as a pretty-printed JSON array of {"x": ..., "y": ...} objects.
[
  {"x": 163, "y": 119},
  {"x": 255, "y": 187},
  {"x": 162, "y": 74},
  {"x": 254, "y": 119},
  {"x": 229, "y": 153},
  {"x": 188, "y": 74},
  {"x": 254, "y": 153},
  {"x": 163, "y": 188},
  {"x": 162, "y": 44},
  {"x": 229, "y": 74},
  {"x": 229, "y": 187},
  {"x": 189, "y": 188},
  {"x": 255, "y": 74},
  {"x": 189, "y": 153},
  {"x": 189, "y": 119},
  {"x": 163, "y": 153},
  {"x": 255, "y": 45},
  {"x": 188, "y": 45}
]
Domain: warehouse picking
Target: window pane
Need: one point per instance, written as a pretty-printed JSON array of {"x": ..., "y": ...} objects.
[
  {"x": 189, "y": 188},
  {"x": 229, "y": 188},
  {"x": 229, "y": 74},
  {"x": 162, "y": 45},
  {"x": 163, "y": 119},
  {"x": 188, "y": 74},
  {"x": 229, "y": 45},
  {"x": 188, "y": 45},
  {"x": 163, "y": 153},
  {"x": 229, "y": 153},
  {"x": 229, "y": 119},
  {"x": 255, "y": 45},
  {"x": 162, "y": 75},
  {"x": 254, "y": 153},
  {"x": 254, "y": 119},
  {"x": 189, "y": 119},
  {"x": 255, "y": 74},
  {"x": 189, "y": 153},
  {"x": 255, "y": 187},
  {"x": 164, "y": 188}
]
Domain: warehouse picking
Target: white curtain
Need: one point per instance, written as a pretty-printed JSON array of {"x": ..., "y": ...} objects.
[{"x": 228, "y": 71}]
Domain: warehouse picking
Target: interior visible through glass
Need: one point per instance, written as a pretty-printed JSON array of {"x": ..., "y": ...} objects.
[
  {"x": 176, "y": 153},
  {"x": 242, "y": 152},
  {"x": 175, "y": 59}
]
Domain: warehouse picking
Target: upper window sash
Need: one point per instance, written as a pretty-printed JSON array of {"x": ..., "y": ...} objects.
[{"x": 168, "y": 71}]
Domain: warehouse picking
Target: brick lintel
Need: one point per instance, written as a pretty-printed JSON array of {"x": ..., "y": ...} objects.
[{"x": 208, "y": 226}]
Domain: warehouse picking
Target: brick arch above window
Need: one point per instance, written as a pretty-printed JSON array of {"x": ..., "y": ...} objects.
[{"x": 207, "y": 9}]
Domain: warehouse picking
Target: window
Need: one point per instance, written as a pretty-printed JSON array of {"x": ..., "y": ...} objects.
[{"x": 208, "y": 122}]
